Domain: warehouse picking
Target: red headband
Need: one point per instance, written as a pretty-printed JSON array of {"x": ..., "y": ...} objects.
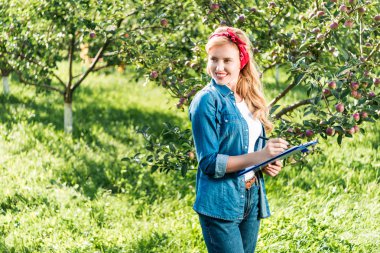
[{"x": 244, "y": 56}]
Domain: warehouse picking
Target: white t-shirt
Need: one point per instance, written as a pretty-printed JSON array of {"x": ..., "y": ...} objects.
[{"x": 254, "y": 128}]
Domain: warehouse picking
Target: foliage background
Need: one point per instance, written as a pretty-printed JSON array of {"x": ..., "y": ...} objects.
[
  {"x": 63, "y": 194},
  {"x": 94, "y": 191}
]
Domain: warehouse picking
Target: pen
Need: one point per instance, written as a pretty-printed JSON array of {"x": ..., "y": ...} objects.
[{"x": 264, "y": 138}]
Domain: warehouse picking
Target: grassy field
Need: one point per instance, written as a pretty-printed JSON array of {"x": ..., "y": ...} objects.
[{"x": 74, "y": 194}]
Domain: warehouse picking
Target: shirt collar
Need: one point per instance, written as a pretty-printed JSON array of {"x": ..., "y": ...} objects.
[{"x": 222, "y": 88}]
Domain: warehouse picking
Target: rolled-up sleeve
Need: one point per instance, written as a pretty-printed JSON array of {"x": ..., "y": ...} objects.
[{"x": 203, "y": 116}]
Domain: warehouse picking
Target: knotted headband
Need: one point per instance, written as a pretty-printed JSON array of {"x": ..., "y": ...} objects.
[{"x": 244, "y": 56}]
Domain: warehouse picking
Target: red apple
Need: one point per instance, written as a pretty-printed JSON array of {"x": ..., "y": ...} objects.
[
  {"x": 241, "y": 18},
  {"x": 316, "y": 30},
  {"x": 164, "y": 22},
  {"x": 376, "y": 81},
  {"x": 154, "y": 74},
  {"x": 330, "y": 131},
  {"x": 343, "y": 8},
  {"x": 332, "y": 85},
  {"x": 361, "y": 10},
  {"x": 354, "y": 85},
  {"x": 214, "y": 6},
  {"x": 377, "y": 18},
  {"x": 92, "y": 35},
  {"x": 326, "y": 92},
  {"x": 356, "y": 128},
  {"x": 354, "y": 93},
  {"x": 126, "y": 35},
  {"x": 356, "y": 116},
  {"x": 339, "y": 107},
  {"x": 253, "y": 9},
  {"x": 191, "y": 155},
  {"x": 320, "y": 13},
  {"x": 272, "y": 5},
  {"x": 309, "y": 133},
  {"x": 334, "y": 25},
  {"x": 320, "y": 37},
  {"x": 371, "y": 94},
  {"x": 349, "y": 23},
  {"x": 364, "y": 115},
  {"x": 351, "y": 130}
]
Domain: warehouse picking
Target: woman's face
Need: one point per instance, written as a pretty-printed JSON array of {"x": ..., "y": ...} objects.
[{"x": 224, "y": 64}]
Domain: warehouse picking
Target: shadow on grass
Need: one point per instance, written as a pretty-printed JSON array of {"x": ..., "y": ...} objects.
[
  {"x": 86, "y": 172},
  {"x": 156, "y": 242}
]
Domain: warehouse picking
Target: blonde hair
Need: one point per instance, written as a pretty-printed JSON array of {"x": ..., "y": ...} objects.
[{"x": 249, "y": 85}]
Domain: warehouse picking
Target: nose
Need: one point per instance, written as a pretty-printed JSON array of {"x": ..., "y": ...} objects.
[{"x": 219, "y": 66}]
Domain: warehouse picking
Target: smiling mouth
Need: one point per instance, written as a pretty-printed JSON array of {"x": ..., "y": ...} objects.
[{"x": 220, "y": 74}]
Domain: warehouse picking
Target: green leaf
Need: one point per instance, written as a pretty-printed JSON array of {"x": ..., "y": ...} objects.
[
  {"x": 184, "y": 169},
  {"x": 153, "y": 168},
  {"x": 335, "y": 93},
  {"x": 274, "y": 108},
  {"x": 172, "y": 147},
  {"x": 339, "y": 139},
  {"x": 125, "y": 159}
]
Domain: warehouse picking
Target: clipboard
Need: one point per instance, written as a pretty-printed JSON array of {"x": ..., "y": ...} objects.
[{"x": 291, "y": 151}]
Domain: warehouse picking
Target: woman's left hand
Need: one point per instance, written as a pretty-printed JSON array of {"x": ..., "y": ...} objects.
[{"x": 273, "y": 169}]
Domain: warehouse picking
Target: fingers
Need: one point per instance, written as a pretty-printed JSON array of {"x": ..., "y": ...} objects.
[
  {"x": 277, "y": 163},
  {"x": 276, "y": 146},
  {"x": 270, "y": 172},
  {"x": 273, "y": 169}
]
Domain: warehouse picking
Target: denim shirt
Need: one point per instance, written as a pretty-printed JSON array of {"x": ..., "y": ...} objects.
[{"x": 219, "y": 131}]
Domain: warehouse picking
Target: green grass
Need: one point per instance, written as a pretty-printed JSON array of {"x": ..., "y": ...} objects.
[{"x": 74, "y": 194}]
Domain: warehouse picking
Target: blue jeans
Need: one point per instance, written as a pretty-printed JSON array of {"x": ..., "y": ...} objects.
[{"x": 238, "y": 236}]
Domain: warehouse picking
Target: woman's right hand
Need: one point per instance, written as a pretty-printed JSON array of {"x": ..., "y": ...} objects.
[{"x": 275, "y": 147}]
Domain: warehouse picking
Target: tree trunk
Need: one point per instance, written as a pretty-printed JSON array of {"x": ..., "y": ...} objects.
[
  {"x": 68, "y": 119},
  {"x": 277, "y": 76},
  {"x": 6, "y": 85}
]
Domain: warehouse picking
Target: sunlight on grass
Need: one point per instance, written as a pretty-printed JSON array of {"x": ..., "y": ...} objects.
[{"x": 74, "y": 194}]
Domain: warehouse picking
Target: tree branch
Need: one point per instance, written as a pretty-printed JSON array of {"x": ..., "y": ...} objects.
[
  {"x": 39, "y": 64},
  {"x": 38, "y": 85},
  {"x": 97, "y": 57},
  {"x": 297, "y": 80},
  {"x": 94, "y": 70},
  {"x": 376, "y": 49},
  {"x": 294, "y": 106},
  {"x": 71, "y": 54}
]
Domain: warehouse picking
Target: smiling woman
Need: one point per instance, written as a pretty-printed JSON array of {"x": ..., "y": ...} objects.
[
  {"x": 228, "y": 116},
  {"x": 224, "y": 64}
]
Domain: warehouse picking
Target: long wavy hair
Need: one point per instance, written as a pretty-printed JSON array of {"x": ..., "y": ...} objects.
[{"x": 249, "y": 85}]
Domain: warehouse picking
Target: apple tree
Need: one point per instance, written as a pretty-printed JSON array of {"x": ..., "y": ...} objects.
[
  {"x": 328, "y": 49},
  {"x": 5, "y": 68}
]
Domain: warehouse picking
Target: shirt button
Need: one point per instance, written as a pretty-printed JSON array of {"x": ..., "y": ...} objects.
[
  {"x": 245, "y": 147},
  {"x": 226, "y": 120},
  {"x": 242, "y": 196}
]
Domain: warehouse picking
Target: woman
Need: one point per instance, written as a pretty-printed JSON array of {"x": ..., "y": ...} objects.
[{"x": 229, "y": 120}]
